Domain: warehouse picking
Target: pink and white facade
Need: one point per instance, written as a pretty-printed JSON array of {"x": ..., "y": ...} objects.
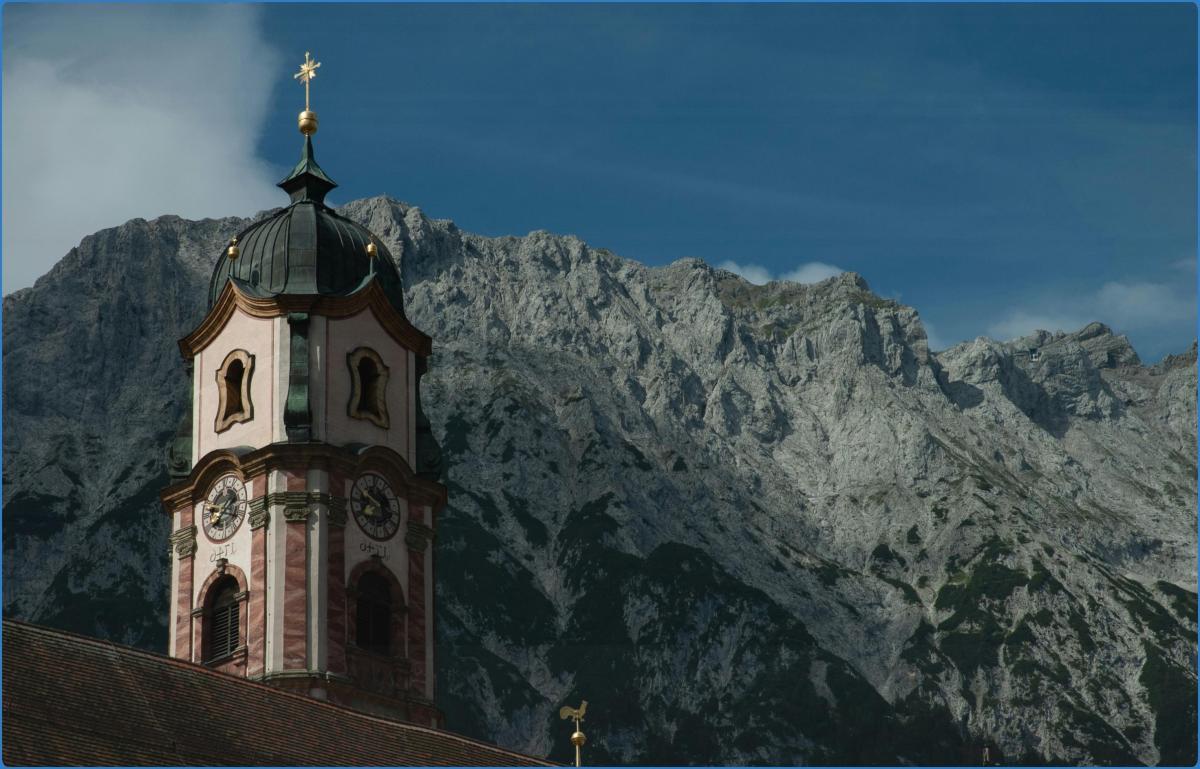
[{"x": 298, "y": 399}]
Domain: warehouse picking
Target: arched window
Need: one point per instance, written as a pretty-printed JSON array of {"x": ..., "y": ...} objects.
[
  {"x": 368, "y": 386},
  {"x": 368, "y": 376},
  {"x": 233, "y": 390},
  {"x": 373, "y": 614},
  {"x": 233, "y": 386},
  {"x": 224, "y": 625}
]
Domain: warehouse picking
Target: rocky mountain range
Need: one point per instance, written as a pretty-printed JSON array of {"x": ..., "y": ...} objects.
[{"x": 749, "y": 524}]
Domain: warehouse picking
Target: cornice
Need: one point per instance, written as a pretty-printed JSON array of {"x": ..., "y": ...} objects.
[
  {"x": 418, "y": 536},
  {"x": 291, "y": 456},
  {"x": 260, "y": 516},
  {"x": 184, "y": 541},
  {"x": 295, "y": 513},
  {"x": 371, "y": 297}
]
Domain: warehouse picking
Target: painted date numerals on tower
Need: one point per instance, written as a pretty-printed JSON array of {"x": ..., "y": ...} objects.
[
  {"x": 221, "y": 552},
  {"x": 374, "y": 549},
  {"x": 375, "y": 507}
]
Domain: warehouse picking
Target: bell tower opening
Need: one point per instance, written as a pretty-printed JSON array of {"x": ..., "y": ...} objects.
[
  {"x": 374, "y": 614},
  {"x": 368, "y": 387},
  {"x": 223, "y": 621},
  {"x": 233, "y": 390},
  {"x": 233, "y": 387},
  {"x": 368, "y": 375}
]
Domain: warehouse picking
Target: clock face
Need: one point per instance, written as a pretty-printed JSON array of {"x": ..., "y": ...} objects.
[
  {"x": 375, "y": 506},
  {"x": 224, "y": 508}
]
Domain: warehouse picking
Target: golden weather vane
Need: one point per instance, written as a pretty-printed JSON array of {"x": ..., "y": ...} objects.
[
  {"x": 578, "y": 738},
  {"x": 308, "y": 70}
]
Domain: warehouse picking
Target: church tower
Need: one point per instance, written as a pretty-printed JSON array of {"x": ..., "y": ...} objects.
[{"x": 305, "y": 496}]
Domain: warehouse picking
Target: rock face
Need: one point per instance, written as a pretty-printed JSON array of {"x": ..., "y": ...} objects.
[{"x": 747, "y": 524}]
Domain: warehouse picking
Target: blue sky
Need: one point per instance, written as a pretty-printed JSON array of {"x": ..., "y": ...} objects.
[{"x": 1000, "y": 168}]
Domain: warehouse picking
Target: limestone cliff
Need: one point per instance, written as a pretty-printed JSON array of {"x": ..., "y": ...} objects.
[{"x": 750, "y": 524}]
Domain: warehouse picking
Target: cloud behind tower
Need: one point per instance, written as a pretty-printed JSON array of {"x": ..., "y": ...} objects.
[{"x": 108, "y": 117}]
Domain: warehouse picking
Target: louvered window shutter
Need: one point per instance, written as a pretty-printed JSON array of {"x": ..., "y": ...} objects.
[{"x": 223, "y": 624}]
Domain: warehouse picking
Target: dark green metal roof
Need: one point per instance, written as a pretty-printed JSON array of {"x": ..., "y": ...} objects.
[
  {"x": 307, "y": 181},
  {"x": 306, "y": 248}
]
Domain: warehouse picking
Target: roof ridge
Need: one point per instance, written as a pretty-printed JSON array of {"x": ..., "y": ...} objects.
[{"x": 105, "y": 645}]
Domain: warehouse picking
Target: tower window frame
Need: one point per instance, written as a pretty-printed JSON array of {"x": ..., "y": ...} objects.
[
  {"x": 233, "y": 390},
  {"x": 374, "y": 615},
  {"x": 223, "y": 621},
  {"x": 368, "y": 387}
]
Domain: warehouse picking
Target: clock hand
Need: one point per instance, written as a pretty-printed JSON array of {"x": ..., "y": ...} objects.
[
  {"x": 379, "y": 505},
  {"x": 218, "y": 512}
]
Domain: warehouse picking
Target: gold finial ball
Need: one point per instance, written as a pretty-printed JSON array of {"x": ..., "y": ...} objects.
[
  {"x": 233, "y": 251},
  {"x": 577, "y": 739},
  {"x": 308, "y": 122},
  {"x": 372, "y": 251}
]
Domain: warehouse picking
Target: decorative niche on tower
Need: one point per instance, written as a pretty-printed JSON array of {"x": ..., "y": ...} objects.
[
  {"x": 233, "y": 387},
  {"x": 368, "y": 386}
]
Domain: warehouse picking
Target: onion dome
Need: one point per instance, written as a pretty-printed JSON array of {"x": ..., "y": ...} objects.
[{"x": 306, "y": 248}]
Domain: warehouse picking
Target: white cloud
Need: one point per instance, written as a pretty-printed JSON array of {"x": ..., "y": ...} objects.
[
  {"x": 112, "y": 113},
  {"x": 1136, "y": 305},
  {"x": 811, "y": 272},
  {"x": 1023, "y": 322},
  {"x": 934, "y": 340},
  {"x": 1124, "y": 306},
  {"x": 754, "y": 273}
]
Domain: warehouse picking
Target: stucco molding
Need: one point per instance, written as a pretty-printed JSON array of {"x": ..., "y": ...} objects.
[
  {"x": 224, "y": 570},
  {"x": 296, "y": 513},
  {"x": 183, "y": 541},
  {"x": 368, "y": 400},
  {"x": 227, "y": 415},
  {"x": 260, "y": 514},
  {"x": 371, "y": 297},
  {"x": 418, "y": 536},
  {"x": 348, "y": 462}
]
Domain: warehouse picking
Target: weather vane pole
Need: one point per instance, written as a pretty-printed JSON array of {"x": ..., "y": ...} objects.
[
  {"x": 578, "y": 738},
  {"x": 308, "y": 70}
]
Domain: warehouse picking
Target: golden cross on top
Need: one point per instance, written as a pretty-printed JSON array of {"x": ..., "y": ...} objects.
[{"x": 308, "y": 70}]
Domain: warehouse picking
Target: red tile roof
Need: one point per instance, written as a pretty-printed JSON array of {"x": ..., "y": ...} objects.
[{"x": 70, "y": 700}]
